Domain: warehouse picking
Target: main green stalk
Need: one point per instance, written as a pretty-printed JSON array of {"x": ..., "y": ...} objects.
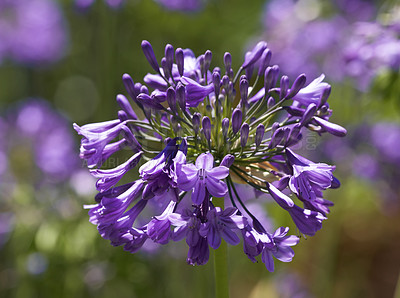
[{"x": 221, "y": 262}]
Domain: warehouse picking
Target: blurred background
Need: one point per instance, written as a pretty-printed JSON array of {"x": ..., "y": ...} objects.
[{"x": 62, "y": 61}]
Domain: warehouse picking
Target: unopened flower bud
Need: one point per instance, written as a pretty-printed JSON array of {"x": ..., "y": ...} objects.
[
  {"x": 181, "y": 96},
  {"x": 244, "y": 134},
  {"x": 179, "y": 58},
  {"x": 259, "y": 134},
  {"x": 196, "y": 122},
  {"x": 284, "y": 86},
  {"x": 227, "y": 61},
  {"x": 171, "y": 99},
  {"x": 149, "y": 54},
  {"x": 228, "y": 160},
  {"x": 206, "y": 124},
  {"x": 297, "y": 85},
  {"x": 225, "y": 127},
  {"x": 169, "y": 56},
  {"x": 236, "y": 120}
]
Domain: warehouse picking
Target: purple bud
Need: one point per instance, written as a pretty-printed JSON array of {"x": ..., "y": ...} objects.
[
  {"x": 255, "y": 54},
  {"x": 270, "y": 102},
  {"x": 276, "y": 138},
  {"x": 171, "y": 99},
  {"x": 126, "y": 107},
  {"x": 183, "y": 146},
  {"x": 148, "y": 101},
  {"x": 230, "y": 74},
  {"x": 174, "y": 123},
  {"x": 308, "y": 114},
  {"x": 179, "y": 58},
  {"x": 270, "y": 77},
  {"x": 227, "y": 61},
  {"x": 202, "y": 64},
  {"x": 129, "y": 86},
  {"x": 122, "y": 116},
  {"x": 231, "y": 90},
  {"x": 144, "y": 89},
  {"x": 244, "y": 89},
  {"x": 137, "y": 87},
  {"x": 324, "y": 96},
  {"x": 196, "y": 122},
  {"x": 295, "y": 135},
  {"x": 294, "y": 111},
  {"x": 250, "y": 68},
  {"x": 225, "y": 82},
  {"x": 225, "y": 127},
  {"x": 227, "y": 161},
  {"x": 181, "y": 96},
  {"x": 297, "y": 85},
  {"x": 216, "y": 78},
  {"x": 244, "y": 134},
  {"x": 284, "y": 87},
  {"x": 332, "y": 128},
  {"x": 236, "y": 120},
  {"x": 274, "y": 127},
  {"x": 169, "y": 56},
  {"x": 259, "y": 134},
  {"x": 164, "y": 66},
  {"x": 265, "y": 59},
  {"x": 206, "y": 124},
  {"x": 207, "y": 60},
  {"x": 149, "y": 53}
]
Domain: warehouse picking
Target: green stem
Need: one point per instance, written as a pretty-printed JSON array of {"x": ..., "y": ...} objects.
[{"x": 221, "y": 263}]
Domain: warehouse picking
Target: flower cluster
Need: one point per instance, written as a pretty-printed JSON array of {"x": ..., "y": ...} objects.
[
  {"x": 32, "y": 32},
  {"x": 201, "y": 137},
  {"x": 348, "y": 43}
]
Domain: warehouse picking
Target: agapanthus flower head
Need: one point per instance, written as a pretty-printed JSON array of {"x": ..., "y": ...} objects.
[
  {"x": 32, "y": 32},
  {"x": 207, "y": 131}
]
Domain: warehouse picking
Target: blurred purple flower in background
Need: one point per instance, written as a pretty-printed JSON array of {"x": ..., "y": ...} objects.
[
  {"x": 182, "y": 5},
  {"x": 32, "y": 32},
  {"x": 347, "y": 43},
  {"x": 371, "y": 153},
  {"x": 34, "y": 129},
  {"x": 86, "y": 4}
]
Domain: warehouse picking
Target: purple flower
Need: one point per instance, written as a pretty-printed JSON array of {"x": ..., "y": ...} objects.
[
  {"x": 182, "y": 5},
  {"x": 83, "y": 5},
  {"x": 36, "y": 126},
  {"x": 33, "y": 32},
  {"x": 159, "y": 228},
  {"x": 309, "y": 179},
  {"x": 203, "y": 176},
  {"x": 222, "y": 223}
]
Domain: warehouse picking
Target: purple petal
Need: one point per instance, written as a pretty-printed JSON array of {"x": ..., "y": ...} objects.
[
  {"x": 199, "y": 193},
  {"x": 215, "y": 187},
  {"x": 205, "y": 161}
]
